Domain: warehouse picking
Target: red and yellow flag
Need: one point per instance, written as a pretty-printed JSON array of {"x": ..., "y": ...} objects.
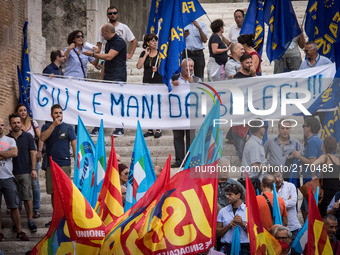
[
  {"x": 109, "y": 205},
  {"x": 173, "y": 217},
  {"x": 75, "y": 226},
  {"x": 260, "y": 240},
  {"x": 318, "y": 242}
]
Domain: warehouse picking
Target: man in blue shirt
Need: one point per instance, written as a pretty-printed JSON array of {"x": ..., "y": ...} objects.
[
  {"x": 313, "y": 59},
  {"x": 57, "y": 59},
  {"x": 58, "y": 135},
  {"x": 312, "y": 151},
  {"x": 230, "y": 217},
  {"x": 196, "y": 34}
]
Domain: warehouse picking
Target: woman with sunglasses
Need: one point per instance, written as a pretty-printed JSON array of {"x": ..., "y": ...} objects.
[
  {"x": 32, "y": 127},
  {"x": 76, "y": 62},
  {"x": 148, "y": 59}
]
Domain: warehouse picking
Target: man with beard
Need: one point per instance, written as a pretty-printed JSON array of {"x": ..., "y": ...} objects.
[
  {"x": 246, "y": 64},
  {"x": 287, "y": 191},
  {"x": 122, "y": 30},
  {"x": 58, "y": 135},
  {"x": 231, "y": 216},
  {"x": 24, "y": 166},
  {"x": 57, "y": 59},
  {"x": 331, "y": 225},
  {"x": 8, "y": 150}
]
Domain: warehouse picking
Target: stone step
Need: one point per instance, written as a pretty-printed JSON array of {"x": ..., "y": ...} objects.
[{"x": 15, "y": 247}]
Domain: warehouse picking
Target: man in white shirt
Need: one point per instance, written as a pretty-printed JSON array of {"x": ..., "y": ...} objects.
[
  {"x": 234, "y": 30},
  {"x": 121, "y": 30},
  {"x": 287, "y": 191},
  {"x": 196, "y": 34}
]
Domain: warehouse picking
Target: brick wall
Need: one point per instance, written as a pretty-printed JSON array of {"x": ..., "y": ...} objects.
[{"x": 12, "y": 13}]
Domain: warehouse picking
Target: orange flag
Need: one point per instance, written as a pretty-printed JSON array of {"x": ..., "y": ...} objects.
[
  {"x": 260, "y": 240},
  {"x": 75, "y": 226},
  {"x": 109, "y": 205},
  {"x": 318, "y": 242}
]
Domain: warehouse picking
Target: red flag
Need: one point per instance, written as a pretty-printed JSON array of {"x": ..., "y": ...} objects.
[
  {"x": 260, "y": 240},
  {"x": 109, "y": 205},
  {"x": 75, "y": 227},
  {"x": 318, "y": 242},
  {"x": 177, "y": 217}
]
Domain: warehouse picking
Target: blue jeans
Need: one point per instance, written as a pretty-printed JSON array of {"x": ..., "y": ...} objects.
[
  {"x": 36, "y": 191},
  {"x": 239, "y": 144}
]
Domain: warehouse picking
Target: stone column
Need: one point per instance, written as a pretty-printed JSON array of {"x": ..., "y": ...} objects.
[{"x": 36, "y": 42}]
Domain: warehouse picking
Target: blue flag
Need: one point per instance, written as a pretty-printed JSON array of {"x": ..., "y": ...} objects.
[
  {"x": 235, "y": 244},
  {"x": 84, "y": 175},
  {"x": 276, "y": 208},
  {"x": 337, "y": 51},
  {"x": 22, "y": 92},
  {"x": 26, "y": 67},
  {"x": 100, "y": 161},
  {"x": 279, "y": 15},
  {"x": 254, "y": 24},
  {"x": 322, "y": 20},
  {"x": 302, "y": 237},
  {"x": 206, "y": 147},
  {"x": 331, "y": 125},
  {"x": 142, "y": 175},
  {"x": 330, "y": 98},
  {"x": 154, "y": 16},
  {"x": 174, "y": 16}
]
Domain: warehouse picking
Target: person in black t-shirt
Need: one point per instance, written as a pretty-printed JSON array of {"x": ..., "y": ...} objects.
[
  {"x": 149, "y": 59},
  {"x": 246, "y": 64}
]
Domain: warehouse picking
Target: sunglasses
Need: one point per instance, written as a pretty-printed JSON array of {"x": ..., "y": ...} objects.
[
  {"x": 112, "y": 13},
  {"x": 79, "y": 36},
  {"x": 304, "y": 125},
  {"x": 305, "y": 50}
]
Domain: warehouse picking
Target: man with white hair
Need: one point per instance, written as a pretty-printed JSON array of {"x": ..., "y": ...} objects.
[
  {"x": 283, "y": 234},
  {"x": 184, "y": 78}
]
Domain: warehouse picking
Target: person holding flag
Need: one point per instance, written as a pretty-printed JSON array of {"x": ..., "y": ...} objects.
[
  {"x": 233, "y": 216},
  {"x": 265, "y": 202}
]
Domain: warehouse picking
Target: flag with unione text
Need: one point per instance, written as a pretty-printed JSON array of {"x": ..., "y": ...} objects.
[
  {"x": 75, "y": 227},
  {"x": 141, "y": 174},
  {"x": 279, "y": 15},
  {"x": 84, "y": 169},
  {"x": 321, "y": 26},
  {"x": 254, "y": 24},
  {"x": 109, "y": 205},
  {"x": 173, "y": 16},
  {"x": 179, "y": 218}
]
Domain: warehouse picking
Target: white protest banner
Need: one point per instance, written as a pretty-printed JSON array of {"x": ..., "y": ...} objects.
[{"x": 121, "y": 105}]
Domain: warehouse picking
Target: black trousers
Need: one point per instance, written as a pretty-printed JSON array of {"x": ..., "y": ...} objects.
[
  {"x": 180, "y": 147},
  {"x": 198, "y": 57}
]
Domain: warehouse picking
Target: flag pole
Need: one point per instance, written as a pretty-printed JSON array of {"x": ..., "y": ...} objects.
[
  {"x": 153, "y": 73},
  {"x": 208, "y": 17},
  {"x": 186, "y": 56},
  {"x": 304, "y": 19},
  {"x": 185, "y": 158}
]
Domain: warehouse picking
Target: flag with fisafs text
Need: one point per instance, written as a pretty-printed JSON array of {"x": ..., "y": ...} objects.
[
  {"x": 100, "y": 162},
  {"x": 322, "y": 20},
  {"x": 318, "y": 241},
  {"x": 179, "y": 215},
  {"x": 142, "y": 174},
  {"x": 254, "y": 24},
  {"x": 174, "y": 16},
  {"x": 283, "y": 27},
  {"x": 109, "y": 205},
  {"x": 84, "y": 169},
  {"x": 75, "y": 227},
  {"x": 260, "y": 240}
]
